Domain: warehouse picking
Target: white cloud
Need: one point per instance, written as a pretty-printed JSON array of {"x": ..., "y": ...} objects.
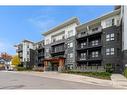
[
  {"x": 43, "y": 23},
  {"x": 45, "y": 20},
  {"x": 6, "y": 46}
]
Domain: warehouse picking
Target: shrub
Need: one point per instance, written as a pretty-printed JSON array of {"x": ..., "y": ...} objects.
[
  {"x": 125, "y": 72},
  {"x": 109, "y": 68},
  {"x": 40, "y": 69},
  {"x": 22, "y": 69},
  {"x": 101, "y": 75}
]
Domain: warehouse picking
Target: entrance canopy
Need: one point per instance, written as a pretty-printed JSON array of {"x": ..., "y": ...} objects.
[{"x": 59, "y": 60}]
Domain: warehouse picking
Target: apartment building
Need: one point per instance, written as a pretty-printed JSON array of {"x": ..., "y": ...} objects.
[
  {"x": 98, "y": 42},
  {"x": 25, "y": 52},
  {"x": 60, "y": 45},
  {"x": 39, "y": 53}
]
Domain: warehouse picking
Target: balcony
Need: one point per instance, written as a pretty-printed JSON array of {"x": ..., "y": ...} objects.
[
  {"x": 19, "y": 49},
  {"x": 40, "y": 54},
  {"x": 81, "y": 35},
  {"x": 95, "y": 45},
  {"x": 89, "y": 46},
  {"x": 82, "y": 59},
  {"x": 54, "y": 42},
  {"x": 58, "y": 51},
  {"x": 90, "y": 58},
  {"x": 99, "y": 57},
  {"x": 82, "y": 48},
  {"x": 95, "y": 30},
  {"x": 40, "y": 47},
  {"x": 89, "y": 32}
]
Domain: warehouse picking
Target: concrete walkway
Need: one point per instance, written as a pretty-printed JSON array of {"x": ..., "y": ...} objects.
[{"x": 119, "y": 81}]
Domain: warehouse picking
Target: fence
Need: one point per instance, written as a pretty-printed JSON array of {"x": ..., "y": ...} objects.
[{"x": 89, "y": 69}]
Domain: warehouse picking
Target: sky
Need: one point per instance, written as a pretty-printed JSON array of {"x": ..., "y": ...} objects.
[{"x": 29, "y": 22}]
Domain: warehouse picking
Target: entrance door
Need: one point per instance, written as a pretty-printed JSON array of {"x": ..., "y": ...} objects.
[{"x": 55, "y": 66}]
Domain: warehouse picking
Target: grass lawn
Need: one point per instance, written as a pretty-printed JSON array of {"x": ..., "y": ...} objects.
[{"x": 100, "y": 75}]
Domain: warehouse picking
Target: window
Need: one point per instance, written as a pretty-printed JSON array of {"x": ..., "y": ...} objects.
[
  {"x": 27, "y": 46},
  {"x": 47, "y": 41},
  {"x": 53, "y": 40},
  {"x": 95, "y": 29},
  {"x": 83, "y": 56},
  {"x": 110, "y": 37},
  {"x": 70, "y": 45},
  {"x": 95, "y": 54},
  {"x": 70, "y": 55},
  {"x": 107, "y": 51},
  {"x": 83, "y": 44},
  {"x": 109, "y": 22},
  {"x": 47, "y": 50},
  {"x": 83, "y": 32},
  {"x": 27, "y": 52},
  {"x": 95, "y": 42},
  {"x": 110, "y": 51},
  {"x": 28, "y": 59},
  {"x": 70, "y": 33}
]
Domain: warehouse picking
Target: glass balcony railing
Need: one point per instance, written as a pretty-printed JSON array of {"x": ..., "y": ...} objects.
[
  {"x": 89, "y": 32},
  {"x": 89, "y": 57}
]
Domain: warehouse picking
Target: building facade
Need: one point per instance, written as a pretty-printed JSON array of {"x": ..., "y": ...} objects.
[
  {"x": 39, "y": 53},
  {"x": 98, "y": 42},
  {"x": 60, "y": 45},
  {"x": 25, "y": 52}
]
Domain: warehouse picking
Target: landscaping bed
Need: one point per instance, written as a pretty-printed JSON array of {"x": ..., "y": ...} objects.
[
  {"x": 22, "y": 69},
  {"x": 125, "y": 72},
  {"x": 100, "y": 75}
]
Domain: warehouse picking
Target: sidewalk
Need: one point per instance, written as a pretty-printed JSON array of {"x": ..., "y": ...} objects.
[{"x": 119, "y": 81}]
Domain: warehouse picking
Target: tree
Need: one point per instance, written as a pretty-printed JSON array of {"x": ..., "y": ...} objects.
[{"x": 15, "y": 60}]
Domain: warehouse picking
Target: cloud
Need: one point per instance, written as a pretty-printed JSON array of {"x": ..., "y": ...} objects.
[
  {"x": 45, "y": 20},
  {"x": 6, "y": 46}
]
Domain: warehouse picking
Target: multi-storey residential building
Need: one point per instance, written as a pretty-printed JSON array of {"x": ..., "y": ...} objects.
[
  {"x": 98, "y": 42},
  {"x": 60, "y": 45},
  {"x": 25, "y": 52},
  {"x": 39, "y": 53}
]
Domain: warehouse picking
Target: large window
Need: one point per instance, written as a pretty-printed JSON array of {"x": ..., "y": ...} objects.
[
  {"x": 83, "y": 56},
  {"x": 70, "y": 55},
  {"x": 95, "y": 42},
  {"x": 70, "y": 45},
  {"x": 83, "y": 44},
  {"x": 110, "y": 37},
  {"x": 47, "y": 41},
  {"x": 70, "y": 33},
  {"x": 95, "y": 54},
  {"x": 109, "y": 22},
  {"x": 110, "y": 51}
]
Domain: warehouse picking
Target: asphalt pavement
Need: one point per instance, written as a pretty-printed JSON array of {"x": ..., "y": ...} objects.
[{"x": 10, "y": 80}]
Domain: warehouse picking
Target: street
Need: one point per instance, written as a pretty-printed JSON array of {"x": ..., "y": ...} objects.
[{"x": 10, "y": 80}]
